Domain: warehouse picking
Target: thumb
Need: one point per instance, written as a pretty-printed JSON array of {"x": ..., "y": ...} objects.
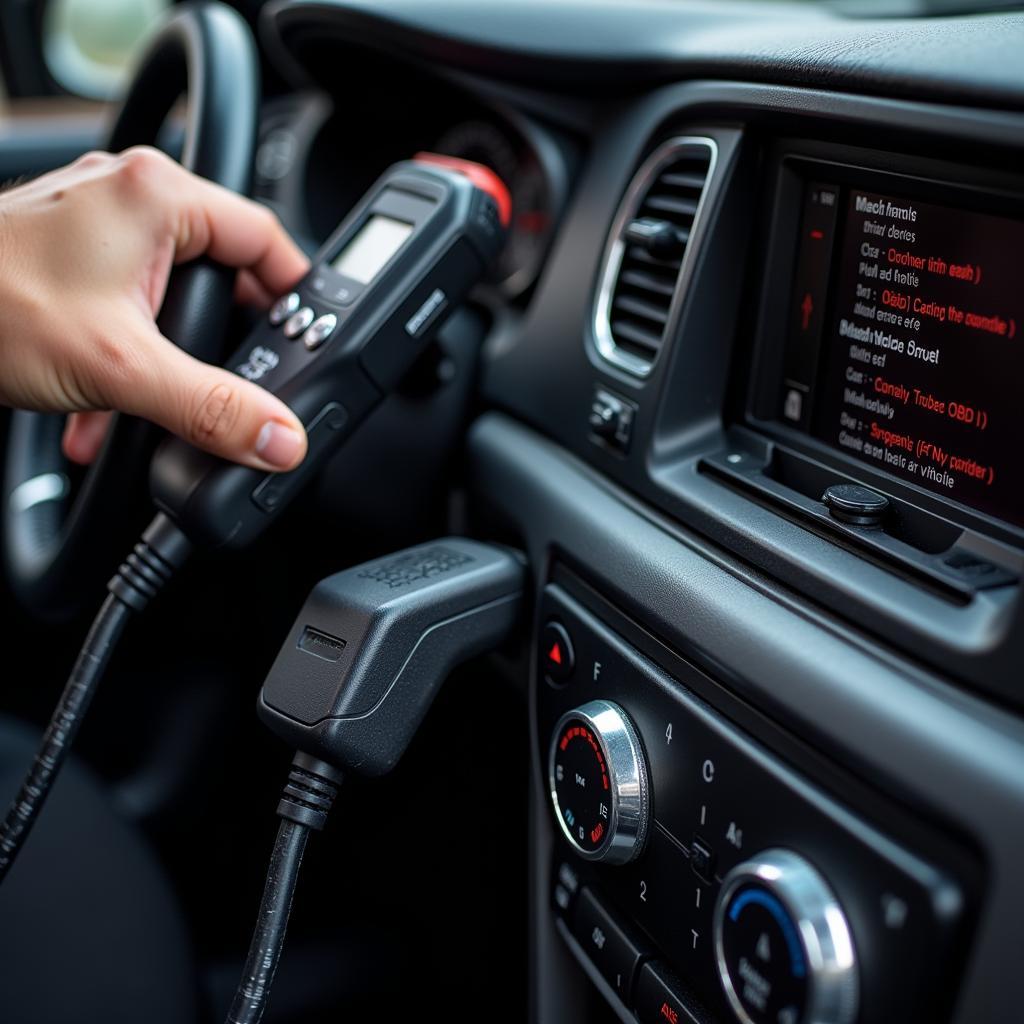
[{"x": 208, "y": 407}]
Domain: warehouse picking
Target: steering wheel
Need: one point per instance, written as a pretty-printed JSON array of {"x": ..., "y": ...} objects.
[{"x": 62, "y": 542}]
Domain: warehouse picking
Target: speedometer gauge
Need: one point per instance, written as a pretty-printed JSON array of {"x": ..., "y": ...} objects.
[{"x": 515, "y": 162}]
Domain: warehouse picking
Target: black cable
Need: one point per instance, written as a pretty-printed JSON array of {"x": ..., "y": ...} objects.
[
  {"x": 268, "y": 937},
  {"x": 150, "y": 566},
  {"x": 60, "y": 733},
  {"x": 308, "y": 795}
]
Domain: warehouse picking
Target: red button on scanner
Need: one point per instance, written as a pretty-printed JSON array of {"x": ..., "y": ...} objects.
[{"x": 483, "y": 177}]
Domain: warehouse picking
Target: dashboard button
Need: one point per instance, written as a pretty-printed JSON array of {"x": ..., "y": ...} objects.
[
  {"x": 855, "y": 505},
  {"x": 568, "y": 878},
  {"x": 319, "y": 331},
  {"x": 565, "y": 889},
  {"x": 702, "y": 860},
  {"x": 562, "y": 897},
  {"x": 659, "y": 998},
  {"x": 557, "y": 652},
  {"x": 614, "y": 952},
  {"x": 611, "y": 419},
  {"x": 298, "y": 322},
  {"x": 284, "y": 307}
]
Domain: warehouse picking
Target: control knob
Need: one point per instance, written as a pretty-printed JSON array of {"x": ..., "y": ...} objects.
[
  {"x": 599, "y": 784},
  {"x": 784, "y": 950}
]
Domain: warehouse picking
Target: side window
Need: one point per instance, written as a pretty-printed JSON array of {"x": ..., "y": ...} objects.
[{"x": 88, "y": 45}]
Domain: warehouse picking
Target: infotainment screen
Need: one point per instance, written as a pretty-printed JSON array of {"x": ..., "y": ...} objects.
[{"x": 904, "y": 346}]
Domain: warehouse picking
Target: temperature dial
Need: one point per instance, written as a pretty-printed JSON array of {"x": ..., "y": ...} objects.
[
  {"x": 599, "y": 784},
  {"x": 784, "y": 950}
]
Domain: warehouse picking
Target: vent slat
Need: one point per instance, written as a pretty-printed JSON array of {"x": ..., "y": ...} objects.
[
  {"x": 685, "y": 208},
  {"x": 647, "y": 282},
  {"x": 648, "y": 340},
  {"x": 642, "y": 294},
  {"x": 678, "y": 179},
  {"x": 647, "y": 310}
]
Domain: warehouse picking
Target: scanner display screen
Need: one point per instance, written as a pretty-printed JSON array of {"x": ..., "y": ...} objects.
[{"x": 374, "y": 244}]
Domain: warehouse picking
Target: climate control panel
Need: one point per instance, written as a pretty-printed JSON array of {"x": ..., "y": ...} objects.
[{"x": 702, "y": 875}]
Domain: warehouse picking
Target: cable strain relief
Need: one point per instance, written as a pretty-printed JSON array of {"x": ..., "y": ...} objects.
[
  {"x": 151, "y": 565},
  {"x": 309, "y": 792},
  {"x": 313, "y": 765}
]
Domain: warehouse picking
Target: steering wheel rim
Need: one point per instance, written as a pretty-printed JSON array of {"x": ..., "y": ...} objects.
[{"x": 60, "y": 548}]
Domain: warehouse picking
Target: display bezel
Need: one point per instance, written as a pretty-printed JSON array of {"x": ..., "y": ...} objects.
[
  {"x": 793, "y": 166},
  {"x": 394, "y": 203}
]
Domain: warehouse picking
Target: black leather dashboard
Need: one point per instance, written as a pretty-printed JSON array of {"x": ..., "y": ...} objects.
[{"x": 579, "y": 43}]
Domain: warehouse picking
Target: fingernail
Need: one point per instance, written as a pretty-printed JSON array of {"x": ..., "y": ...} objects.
[{"x": 278, "y": 445}]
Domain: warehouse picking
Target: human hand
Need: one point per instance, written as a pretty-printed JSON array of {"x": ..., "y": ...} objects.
[{"x": 85, "y": 255}]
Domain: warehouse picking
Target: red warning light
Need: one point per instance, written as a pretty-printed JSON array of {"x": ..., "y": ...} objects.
[
  {"x": 596, "y": 832},
  {"x": 806, "y": 309},
  {"x": 555, "y": 654},
  {"x": 817, "y": 235}
]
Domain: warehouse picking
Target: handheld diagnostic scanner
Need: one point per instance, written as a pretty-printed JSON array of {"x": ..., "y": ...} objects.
[{"x": 388, "y": 277}]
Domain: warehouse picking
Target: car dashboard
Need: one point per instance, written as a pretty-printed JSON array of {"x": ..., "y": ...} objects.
[
  {"x": 746, "y": 401},
  {"x": 741, "y": 390}
]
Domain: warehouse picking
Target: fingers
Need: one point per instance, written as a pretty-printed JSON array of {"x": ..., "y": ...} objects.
[
  {"x": 239, "y": 233},
  {"x": 249, "y": 292},
  {"x": 205, "y": 218},
  {"x": 226, "y": 415},
  {"x": 84, "y": 435},
  {"x": 207, "y": 406}
]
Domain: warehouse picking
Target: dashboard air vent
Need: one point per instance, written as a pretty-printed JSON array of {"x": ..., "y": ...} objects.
[{"x": 647, "y": 257}]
